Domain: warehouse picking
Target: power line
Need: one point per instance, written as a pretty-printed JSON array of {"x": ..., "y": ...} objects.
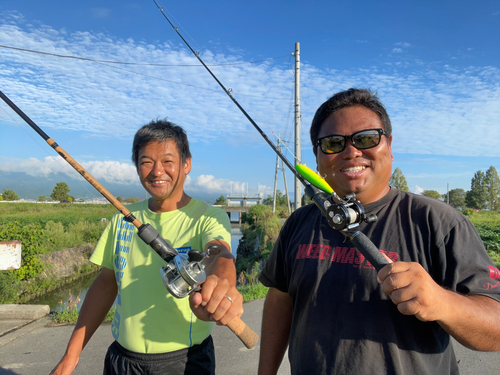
[
  {"x": 133, "y": 63},
  {"x": 106, "y": 62}
]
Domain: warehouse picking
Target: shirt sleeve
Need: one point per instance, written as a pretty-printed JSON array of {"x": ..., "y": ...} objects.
[
  {"x": 103, "y": 252},
  {"x": 274, "y": 273},
  {"x": 216, "y": 227},
  {"x": 469, "y": 269}
]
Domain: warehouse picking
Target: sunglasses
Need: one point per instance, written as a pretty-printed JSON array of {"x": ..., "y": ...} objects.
[{"x": 362, "y": 140}]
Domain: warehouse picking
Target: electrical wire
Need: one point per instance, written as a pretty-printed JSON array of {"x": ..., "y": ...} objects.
[
  {"x": 105, "y": 63},
  {"x": 133, "y": 63}
]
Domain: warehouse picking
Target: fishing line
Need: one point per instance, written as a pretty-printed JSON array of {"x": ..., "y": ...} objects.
[
  {"x": 229, "y": 93},
  {"x": 344, "y": 217},
  {"x": 180, "y": 83}
]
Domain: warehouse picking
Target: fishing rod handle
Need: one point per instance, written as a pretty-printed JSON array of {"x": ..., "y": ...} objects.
[
  {"x": 248, "y": 337},
  {"x": 366, "y": 247}
]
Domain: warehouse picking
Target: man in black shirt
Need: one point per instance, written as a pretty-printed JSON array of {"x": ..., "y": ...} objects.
[{"x": 336, "y": 313}]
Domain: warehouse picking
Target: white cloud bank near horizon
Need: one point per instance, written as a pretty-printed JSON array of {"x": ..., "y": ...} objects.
[
  {"x": 436, "y": 107},
  {"x": 125, "y": 174}
]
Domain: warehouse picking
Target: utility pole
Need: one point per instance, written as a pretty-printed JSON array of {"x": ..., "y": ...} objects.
[
  {"x": 286, "y": 187},
  {"x": 276, "y": 178},
  {"x": 448, "y": 193},
  {"x": 298, "y": 186}
]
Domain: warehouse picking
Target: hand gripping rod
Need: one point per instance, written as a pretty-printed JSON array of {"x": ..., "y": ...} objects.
[
  {"x": 360, "y": 241},
  {"x": 145, "y": 231}
]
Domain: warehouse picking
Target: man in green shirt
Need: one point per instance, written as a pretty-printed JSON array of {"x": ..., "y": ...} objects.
[{"x": 156, "y": 333}]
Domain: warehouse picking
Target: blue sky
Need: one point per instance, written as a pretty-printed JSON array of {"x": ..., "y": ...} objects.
[{"x": 435, "y": 65}]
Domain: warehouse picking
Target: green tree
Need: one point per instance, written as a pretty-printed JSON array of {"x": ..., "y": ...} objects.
[
  {"x": 457, "y": 198},
  {"x": 9, "y": 195},
  {"x": 60, "y": 192},
  {"x": 398, "y": 180},
  {"x": 42, "y": 198},
  {"x": 220, "y": 201},
  {"x": 477, "y": 195},
  {"x": 492, "y": 186},
  {"x": 432, "y": 193},
  {"x": 119, "y": 198},
  {"x": 280, "y": 199}
]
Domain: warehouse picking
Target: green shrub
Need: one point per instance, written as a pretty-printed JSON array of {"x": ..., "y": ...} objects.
[
  {"x": 468, "y": 212},
  {"x": 259, "y": 235},
  {"x": 9, "y": 287},
  {"x": 490, "y": 236},
  {"x": 252, "y": 292},
  {"x": 34, "y": 239}
]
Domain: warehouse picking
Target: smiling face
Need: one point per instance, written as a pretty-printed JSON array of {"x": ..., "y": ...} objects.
[
  {"x": 364, "y": 172},
  {"x": 162, "y": 173}
]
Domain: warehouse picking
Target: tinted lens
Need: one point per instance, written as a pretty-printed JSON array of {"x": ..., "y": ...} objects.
[
  {"x": 362, "y": 140},
  {"x": 366, "y": 139},
  {"x": 332, "y": 145}
]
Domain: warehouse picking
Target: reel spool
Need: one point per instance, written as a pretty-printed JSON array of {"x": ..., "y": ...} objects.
[
  {"x": 182, "y": 276},
  {"x": 185, "y": 273}
]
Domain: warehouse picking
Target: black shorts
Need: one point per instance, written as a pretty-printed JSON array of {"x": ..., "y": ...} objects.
[{"x": 199, "y": 360}]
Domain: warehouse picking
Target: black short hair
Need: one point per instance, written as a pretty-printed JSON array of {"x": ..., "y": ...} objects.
[
  {"x": 349, "y": 98},
  {"x": 160, "y": 131}
]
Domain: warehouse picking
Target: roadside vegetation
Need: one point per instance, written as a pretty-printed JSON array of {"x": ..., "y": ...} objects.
[{"x": 44, "y": 228}]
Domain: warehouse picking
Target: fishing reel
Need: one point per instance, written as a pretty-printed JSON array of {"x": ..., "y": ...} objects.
[
  {"x": 347, "y": 215},
  {"x": 185, "y": 273},
  {"x": 343, "y": 216}
]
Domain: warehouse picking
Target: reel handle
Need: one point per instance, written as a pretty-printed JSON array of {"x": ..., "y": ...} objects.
[{"x": 248, "y": 337}]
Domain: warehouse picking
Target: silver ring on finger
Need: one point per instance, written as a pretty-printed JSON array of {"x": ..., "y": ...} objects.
[{"x": 229, "y": 298}]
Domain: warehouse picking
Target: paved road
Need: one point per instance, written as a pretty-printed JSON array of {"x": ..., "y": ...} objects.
[{"x": 36, "y": 348}]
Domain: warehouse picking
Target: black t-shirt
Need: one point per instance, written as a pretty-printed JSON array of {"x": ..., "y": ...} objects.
[{"x": 343, "y": 322}]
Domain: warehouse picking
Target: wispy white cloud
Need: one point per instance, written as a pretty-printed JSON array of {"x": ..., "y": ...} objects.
[{"x": 436, "y": 108}]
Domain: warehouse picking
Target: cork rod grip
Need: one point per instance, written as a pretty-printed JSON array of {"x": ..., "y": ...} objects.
[{"x": 248, "y": 337}]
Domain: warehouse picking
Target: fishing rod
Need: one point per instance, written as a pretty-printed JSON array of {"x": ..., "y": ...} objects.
[
  {"x": 344, "y": 216},
  {"x": 183, "y": 273}
]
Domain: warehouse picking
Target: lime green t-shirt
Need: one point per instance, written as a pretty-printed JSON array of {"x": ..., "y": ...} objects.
[{"x": 148, "y": 319}]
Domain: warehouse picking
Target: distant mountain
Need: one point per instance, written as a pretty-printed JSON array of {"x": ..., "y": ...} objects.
[{"x": 29, "y": 187}]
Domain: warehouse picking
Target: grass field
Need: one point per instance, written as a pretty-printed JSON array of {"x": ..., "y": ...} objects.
[{"x": 64, "y": 213}]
